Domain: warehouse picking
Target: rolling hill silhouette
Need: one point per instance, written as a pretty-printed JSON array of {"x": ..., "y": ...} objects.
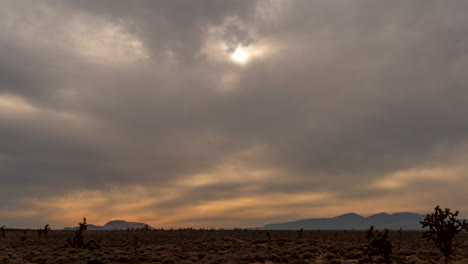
[
  {"x": 406, "y": 221},
  {"x": 115, "y": 225}
]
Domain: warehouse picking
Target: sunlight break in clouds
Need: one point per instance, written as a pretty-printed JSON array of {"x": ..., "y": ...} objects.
[
  {"x": 240, "y": 55},
  {"x": 236, "y": 42}
]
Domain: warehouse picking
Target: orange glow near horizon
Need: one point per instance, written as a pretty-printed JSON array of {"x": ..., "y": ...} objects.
[
  {"x": 99, "y": 207},
  {"x": 171, "y": 206}
]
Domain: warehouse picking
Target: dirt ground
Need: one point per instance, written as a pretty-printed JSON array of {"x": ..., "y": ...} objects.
[{"x": 218, "y": 246}]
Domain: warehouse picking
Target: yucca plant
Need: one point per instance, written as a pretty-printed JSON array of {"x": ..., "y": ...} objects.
[
  {"x": 78, "y": 240},
  {"x": 44, "y": 231}
]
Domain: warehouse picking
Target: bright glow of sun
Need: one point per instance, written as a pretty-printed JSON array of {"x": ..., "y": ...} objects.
[{"x": 240, "y": 56}]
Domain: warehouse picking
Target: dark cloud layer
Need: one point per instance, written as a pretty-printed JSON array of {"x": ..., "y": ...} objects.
[{"x": 343, "y": 103}]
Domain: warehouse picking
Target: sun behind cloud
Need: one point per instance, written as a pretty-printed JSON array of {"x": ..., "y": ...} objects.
[{"x": 240, "y": 56}]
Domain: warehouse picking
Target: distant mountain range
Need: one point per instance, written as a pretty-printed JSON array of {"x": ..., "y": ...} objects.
[
  {"x": 115, "y": 225},
  {"x": 406, "y": 221}
]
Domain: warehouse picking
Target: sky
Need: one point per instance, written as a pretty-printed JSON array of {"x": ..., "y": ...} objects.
[{"x": 232, "y": 113}]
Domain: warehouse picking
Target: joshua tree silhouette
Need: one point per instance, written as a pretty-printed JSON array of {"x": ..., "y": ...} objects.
[{"x": 443, "y": 227}]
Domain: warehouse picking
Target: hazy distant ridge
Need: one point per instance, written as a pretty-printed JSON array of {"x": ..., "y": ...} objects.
[
  {"x": 406, "y": 221},
  {"x": 115, "y": 225}
]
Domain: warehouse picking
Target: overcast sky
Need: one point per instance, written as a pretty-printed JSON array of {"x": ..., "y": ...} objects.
[{"x": 230, "y": 113}]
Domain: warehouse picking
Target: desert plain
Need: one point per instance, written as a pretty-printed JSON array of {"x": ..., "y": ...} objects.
[{"x": 217, "y": 246}]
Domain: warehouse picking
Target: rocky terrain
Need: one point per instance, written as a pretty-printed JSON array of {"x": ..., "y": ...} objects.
[{"x": 215, "y": 246}]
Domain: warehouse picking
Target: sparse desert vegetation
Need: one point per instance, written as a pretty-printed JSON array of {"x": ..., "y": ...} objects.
[{"x": 221, "y": 246}]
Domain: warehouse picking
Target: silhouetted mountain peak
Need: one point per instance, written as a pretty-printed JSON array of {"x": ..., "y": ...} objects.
[
  {"x": 349, "y": 216},
  {"x": 113, "y": 222}
]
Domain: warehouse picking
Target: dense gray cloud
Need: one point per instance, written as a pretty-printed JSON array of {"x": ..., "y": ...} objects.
[{"x": 339, "y": 104}]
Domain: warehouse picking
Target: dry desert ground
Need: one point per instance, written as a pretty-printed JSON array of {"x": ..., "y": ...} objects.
[{"x": 216, "y": 246}]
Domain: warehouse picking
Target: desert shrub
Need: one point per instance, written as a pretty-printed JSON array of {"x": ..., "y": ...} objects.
[
  {"x": 23, "y": 237},
  {"x": 298, "y": 261},
  {"x": 336, "y": 261},
  {"x": 443, "y": 227},
  {"x": 274, "y": 258},
  {"x": 353, "y": 254},
  {"x": 135, "y": 245},
  {"x": 269, "y": 239},
  {"x": 307, "y": 255},
  {"x": 329, "y": 256},
  {"x": 300, "y": 233},
  {"x": 378, "y": 244},
  {"x": 363, "y": 260}
]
